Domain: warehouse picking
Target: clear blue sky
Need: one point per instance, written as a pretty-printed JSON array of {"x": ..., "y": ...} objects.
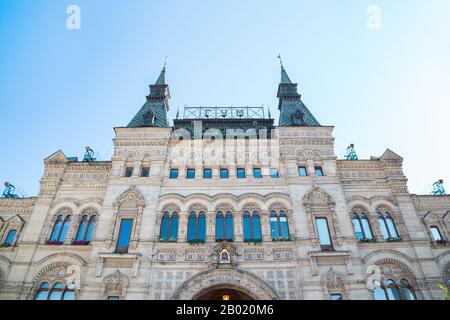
[{"x": 66, "y": 89}]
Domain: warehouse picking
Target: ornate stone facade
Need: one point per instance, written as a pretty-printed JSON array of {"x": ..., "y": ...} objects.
[{"x": 297, "y": 267}]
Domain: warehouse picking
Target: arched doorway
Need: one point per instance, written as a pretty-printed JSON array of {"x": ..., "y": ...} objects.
[
  {"x": 223, "y": 293},
  {"x": 218, "y": 283}
]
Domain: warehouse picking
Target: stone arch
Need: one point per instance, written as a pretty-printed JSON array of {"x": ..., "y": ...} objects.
[{"x": 244, "y": 281}]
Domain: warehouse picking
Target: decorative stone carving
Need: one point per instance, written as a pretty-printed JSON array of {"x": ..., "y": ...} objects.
[
  {"x": 115, "y": 284},
  {"x": 332, "y": 283}
]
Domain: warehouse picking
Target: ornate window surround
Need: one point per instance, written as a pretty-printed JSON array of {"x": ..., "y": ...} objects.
[
  {"x": 14, "y": 223},
  {"x": 129, "y": 205},
  {"x": 319, "y": 204}
]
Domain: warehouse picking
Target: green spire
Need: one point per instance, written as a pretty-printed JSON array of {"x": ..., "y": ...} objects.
[
  {"x": 154, "y": 111},
  {"x": 162, "y": 76},
  {"x": 284, "y": 77},
  {"x": 293, "y": 111}
]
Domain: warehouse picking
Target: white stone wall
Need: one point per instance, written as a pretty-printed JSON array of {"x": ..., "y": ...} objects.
[{"x": 295, "y": 269}]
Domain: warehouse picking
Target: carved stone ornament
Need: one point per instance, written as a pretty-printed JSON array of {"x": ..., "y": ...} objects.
[{"x": 115, "y": 283}]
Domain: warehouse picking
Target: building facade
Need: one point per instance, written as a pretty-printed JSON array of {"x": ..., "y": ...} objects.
[{"x": 224, "y": 205}]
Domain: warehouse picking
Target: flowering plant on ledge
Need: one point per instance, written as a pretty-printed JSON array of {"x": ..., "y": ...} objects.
[
  {"x": 54, "y": 242},
  {"x": 196, "y": 241},
  {"x": 5, "y": 245},
  {"x": 393, "y": 239},
  {"x": 80, "y": 243},
  {"x": 441, "y": 242},
  {"x": 168, "y": 240},
  {"x": 223, "y": 240},
  {"x": 365, "y": 240},
  {"x": 255, "y": 241},
  {"x": 281, "y": 239}
]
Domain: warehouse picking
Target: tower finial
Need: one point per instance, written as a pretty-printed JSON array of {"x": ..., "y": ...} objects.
[
  {"x": 165, "y": 63},
  {"x": 281, "y": 61}
]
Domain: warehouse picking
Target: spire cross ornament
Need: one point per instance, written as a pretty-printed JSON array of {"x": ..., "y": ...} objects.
[{"x": 165, "y": 62}]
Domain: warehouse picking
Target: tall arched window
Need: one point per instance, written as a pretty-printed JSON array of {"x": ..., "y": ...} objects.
[
  {"x": 169, "y": 227},
  {"x": 57, "y": 292},
  {"x": 85, "y": 230},
  {"x": 197, "y": 227},
  {"x": 406, "y": 290},
  {"x": 42, "y": 292},
  {"x": 390, "y": 290},
  {"x": 279, "y": 225},
  {"x": 252, "y": 226},
  {"x": 361, "y": 225},
  {"x": 10, "y": 238},
  {"x": 387, "y": 226},
  {"x": 60, "y": 229},
  {"x": 224, "y": 226}
]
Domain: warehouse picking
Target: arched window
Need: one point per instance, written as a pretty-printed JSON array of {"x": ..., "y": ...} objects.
[
  {"x": 85, "y": 230},
  {"x": 10, "y": 238},
  {"x": 69, "y": 293},
  {"x": 197, "y": 227},
  {"x": 58, "y": 292},
  {"x": 390, "y": 291},
  {"x": 169, "y": 227},
  {"x": 387, "y": 226},
  {"x": 406, "y": 290},
  {"x": 60, "y": 229},
  {"x": 279, "y": 225},
  {"x": 361, "y": 225},
  {"x": 224, "y": 226},
  {"x": 252, "y": 226},
  {"x": 437, "y": 237},
  {"x": 42, "y": 292},
  {"x": 149, "y": 119}
]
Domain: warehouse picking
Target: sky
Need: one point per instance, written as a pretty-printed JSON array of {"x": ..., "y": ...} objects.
[{"x": 380, "y": 77}]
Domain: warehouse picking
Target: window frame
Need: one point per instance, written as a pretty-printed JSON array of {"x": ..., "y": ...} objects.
[
  {"x": 274, "y": 173},
  {"x": 119, "y": 236},
  {"x": 240, "y": 173},
  {"x": 224, "y": 176},
  {"x": 128, "y": 173},
  {"x": 299, "y": 171},
  {"x": 205, "y": 176},
  {"x": 252, "y": 216},
  {"x": 145, "y": 172},
  {"x": 171, "y": 217},
  {"x": 318, "y": 169},
  {"x": 278, "y": 215},
  {"x": 197, "y": 216},
  {"x": 259, "y": 176},
  {"x": 324, "y": 247},
  {"x": 188, "y": 175},
  {"x": 173, "y": 170}
]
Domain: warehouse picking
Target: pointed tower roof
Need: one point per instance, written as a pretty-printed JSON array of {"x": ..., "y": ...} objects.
[
  {"x": 284, "y": 76},
  {"x": 154, "y": 111},
  {"x": 162, "y": 76},
  {"x": 293, "y": 111}
]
